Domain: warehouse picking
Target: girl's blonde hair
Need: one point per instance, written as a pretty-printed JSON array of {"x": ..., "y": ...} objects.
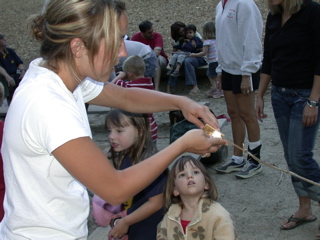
[
  {"x": 178, "y": 166},
  {"x": 289, "y": 6},
  {"x": 91, "y": 21},
  {"x": 209, "y": 31},
  {"x": 143, "y": 146}
]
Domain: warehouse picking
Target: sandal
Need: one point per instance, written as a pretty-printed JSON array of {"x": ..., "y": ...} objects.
[{"x": 298, "y": 221}]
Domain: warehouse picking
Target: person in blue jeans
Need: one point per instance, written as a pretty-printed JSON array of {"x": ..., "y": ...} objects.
[
  {"x": 190, "y": 64},
  {"x": 292, "y": 63}
]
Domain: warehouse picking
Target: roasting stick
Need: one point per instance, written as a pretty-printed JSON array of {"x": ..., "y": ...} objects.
[{"x": 213, "y": 132}]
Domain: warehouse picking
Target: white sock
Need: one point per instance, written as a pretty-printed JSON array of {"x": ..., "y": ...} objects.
[
  {"x": 237, "y": 159},
  {"x": 253, "y": 145}
]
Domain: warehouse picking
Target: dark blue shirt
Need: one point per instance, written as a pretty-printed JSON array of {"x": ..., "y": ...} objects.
[
  {"x": 147, "y": 228},
  {"x": 292, "y": 51},
  {"x": 10, "y": 61},
  {"x": 190, "y": 45}
]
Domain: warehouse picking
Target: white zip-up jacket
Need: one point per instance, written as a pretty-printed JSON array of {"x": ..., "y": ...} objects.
[{"x": 239, "y": 27}]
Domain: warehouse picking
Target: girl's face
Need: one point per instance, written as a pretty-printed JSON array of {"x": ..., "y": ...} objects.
[
  {"x": 189, "y": 182},
  {"x": 122, "y": 138}
]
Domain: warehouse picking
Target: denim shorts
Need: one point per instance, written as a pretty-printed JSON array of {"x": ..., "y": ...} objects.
[{"x": 211, "y": 72}]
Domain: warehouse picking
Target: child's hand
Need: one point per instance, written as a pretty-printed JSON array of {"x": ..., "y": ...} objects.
[
  {"x": 120, "y": 229},
  {"x": 196, "y": 141},
  {"x": 121, "y": 75}
]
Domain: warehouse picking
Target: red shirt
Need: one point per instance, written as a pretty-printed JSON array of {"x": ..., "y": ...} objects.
[
  {"x": 184, "y": 225},
  {"x": 155, "y": 41}
]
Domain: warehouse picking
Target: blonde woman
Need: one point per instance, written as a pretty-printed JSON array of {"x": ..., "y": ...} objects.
[
  {"x": 48, "y": 154},
  {"x": 292, "y": 60}
]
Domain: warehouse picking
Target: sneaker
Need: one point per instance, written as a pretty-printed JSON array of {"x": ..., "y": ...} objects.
[
  {"x": 169, "y": 72},
  {"x": 218, "y": 94},
  {"x": 211, "y": 91},
  {"x": 249, "y": 170},
  {"x": 230, "y": 166}
]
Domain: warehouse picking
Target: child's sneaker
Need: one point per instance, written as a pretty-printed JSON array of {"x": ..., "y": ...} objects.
[
  {"x": 218, "y": 94},
  {"x": 230, "y": 166},
  {"x": 175, "y": 74},
  {"x": 211, "y": 91}
]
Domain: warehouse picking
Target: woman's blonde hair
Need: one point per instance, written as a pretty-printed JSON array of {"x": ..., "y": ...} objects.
[
  {"x": 289, "y": 6},
  {"x": 90, "y": 20},
  {"x": 179, "y": 165}
]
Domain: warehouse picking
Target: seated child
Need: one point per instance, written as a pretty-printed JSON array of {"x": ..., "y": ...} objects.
[
  {"x": 190, "y": 201},
  {"x": 187, "y": 45},
  {"x": 133, "y": 71},
  {"x": 130, "y": 141}
]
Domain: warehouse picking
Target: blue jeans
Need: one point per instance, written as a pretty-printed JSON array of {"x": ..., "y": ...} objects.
[
  {"x": 190, "y": 64},
  {"x": 297, "y": 140}
]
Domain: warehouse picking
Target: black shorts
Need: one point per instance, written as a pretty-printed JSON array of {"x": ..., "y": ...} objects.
[{"x": 232, "y": 82}]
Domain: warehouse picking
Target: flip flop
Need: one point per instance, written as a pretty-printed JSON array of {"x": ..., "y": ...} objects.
[{"x": 298, "y": 221}]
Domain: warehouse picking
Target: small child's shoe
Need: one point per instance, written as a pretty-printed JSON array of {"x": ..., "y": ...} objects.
[
  {"x": 211, "y": 91},
  {"x": 218, "y": 94},
  {"x": 175, "y": 74},
  {"x": 169, "y": 72}
]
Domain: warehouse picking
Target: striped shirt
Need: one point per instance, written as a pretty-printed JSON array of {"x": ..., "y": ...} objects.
[
  {"x": 147, "y": 84},
  {"x": 212, "y": 50}
]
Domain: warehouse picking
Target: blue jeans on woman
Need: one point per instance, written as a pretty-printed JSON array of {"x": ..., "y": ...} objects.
[
  {"x": 297, "y": 140},
  {"x": 190, "y": 64}
]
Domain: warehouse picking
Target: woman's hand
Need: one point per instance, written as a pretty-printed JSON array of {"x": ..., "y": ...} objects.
[
  {"x": 196, "y": 141},
  {"x": 260, "y": 109},
  {"x": 218, "y": 82},
  {"x": 246, "y": 87},
  {"x": 194, "y": 111},
  {"x": 310, "y": 116}
]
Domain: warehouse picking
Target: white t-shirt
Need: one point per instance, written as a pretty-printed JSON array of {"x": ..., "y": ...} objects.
[{"x": 43, "y": 201}]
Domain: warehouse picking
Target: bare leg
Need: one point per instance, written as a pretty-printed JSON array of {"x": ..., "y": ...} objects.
[
  {"x": 237, "y": 124},
  {"x": 247, "y": 113}
]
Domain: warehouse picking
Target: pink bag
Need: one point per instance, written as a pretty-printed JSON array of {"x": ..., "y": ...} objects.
[{"x": 104, "y": 212}]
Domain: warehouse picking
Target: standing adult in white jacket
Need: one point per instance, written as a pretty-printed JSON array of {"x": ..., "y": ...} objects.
[{"x": 239, "y": 28}]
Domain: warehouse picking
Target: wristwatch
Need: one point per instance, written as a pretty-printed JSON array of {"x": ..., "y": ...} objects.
[{"x": 312, "y": 103}]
